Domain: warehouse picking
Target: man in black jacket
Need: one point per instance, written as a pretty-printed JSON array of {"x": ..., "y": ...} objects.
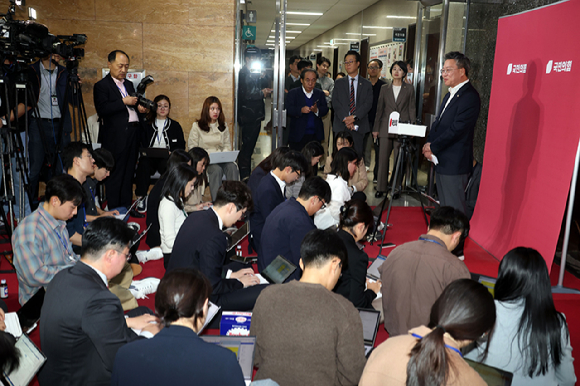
[
  {"x": 120, "y": 127},
  {"x": 251, "y": 112}
]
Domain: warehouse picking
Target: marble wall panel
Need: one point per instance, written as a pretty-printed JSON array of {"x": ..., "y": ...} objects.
[
  {"x": 57, "y": 9},
  {"x": 145, "y": 11},
  {"x": 212, "y": 13},
  {"x": 190, "y": 48}
]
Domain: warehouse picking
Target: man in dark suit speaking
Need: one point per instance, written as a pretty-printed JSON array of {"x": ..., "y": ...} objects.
[
  {"x": 306, "y": 105},
  {"x": 82, "y": 323},
  {"x": 450, "y": 141},
  {"x": 119, "y": 131},
  {"x": 352, "y": 99}
]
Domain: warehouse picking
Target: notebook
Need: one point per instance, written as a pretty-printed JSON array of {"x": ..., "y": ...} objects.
[
  {"x": 212, "y": 311},
  {"x": 373, "y": 270},
  {"x": 277, "y": 271},
  {"x": 239, "y": 235},
  {"x": 242, "y": 346},
  {"x": 370, "y": 321},
  {"x": 31, "y": 360}
]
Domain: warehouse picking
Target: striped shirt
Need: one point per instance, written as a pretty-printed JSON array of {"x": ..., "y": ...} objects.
[{"x": 41, "y": 249}]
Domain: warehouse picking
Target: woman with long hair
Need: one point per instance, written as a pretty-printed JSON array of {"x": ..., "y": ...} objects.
[
  {"x": 395, "y": 96},
  {"x": 356, "y": 217},
  {"x": 359, "y": 180},
  {"x": 181, "y": 302},
  {"x": 431, "y": 356},
  {"x": 199, "y": 161},
  {"x": 343, "y": 167},
  {"x": 160, "y": 131},
  {"x": 312, "y": 151},
  {"x": 211, "y": 133},
  {"x": 531, "y": 339},
  {"x": 178, "y": 186}
]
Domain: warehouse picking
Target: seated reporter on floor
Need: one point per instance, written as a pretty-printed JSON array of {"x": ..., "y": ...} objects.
[
  {"x": 177, "y": 356},
  {"x": 343, "y": 167},
  {"x": 202, "y": 244},
  {"x": 359, "y": 180},
  {"x": 431, "y": 355},
  {"x": 159, "y": 132},
  {"x": 305, "y": 333},
  {"x": 265, "y": 167},
  {"x": 199, "y": 160},
  {"x": 313, "y": 151},
  {"x": 355, "y": 219},
  {"x": 82, "y": 324},
  {"x": 178, "y": 186},
  {"x": 531, "y": 338},
  {"x": 211, "y": 133}
]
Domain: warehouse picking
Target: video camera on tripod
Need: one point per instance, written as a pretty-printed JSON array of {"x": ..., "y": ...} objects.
[{"x": 140, "y": 94}]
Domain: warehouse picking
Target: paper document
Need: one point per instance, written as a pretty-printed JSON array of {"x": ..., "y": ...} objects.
[{"x": 13, "y": 324}]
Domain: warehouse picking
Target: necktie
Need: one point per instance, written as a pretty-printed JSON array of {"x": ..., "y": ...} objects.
[{"x": 352, "y": 106}]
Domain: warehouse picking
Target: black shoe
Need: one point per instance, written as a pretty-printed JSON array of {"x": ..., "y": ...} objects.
[
  {"x": 136, "y": 214},
  {"x": 379, "y": 194},
  {"x": 396, "y": 196}
]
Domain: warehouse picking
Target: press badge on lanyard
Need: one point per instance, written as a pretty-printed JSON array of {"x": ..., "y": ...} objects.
[{"x": 54, "y": 100}]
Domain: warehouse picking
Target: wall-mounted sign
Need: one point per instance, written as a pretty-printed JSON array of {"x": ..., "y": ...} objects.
[
  {"x": 251, "y": 16},
  {"x": 400, "y": 35},
  {"x": 355, "y": 46},
  {"x": 249, "y": 32}
]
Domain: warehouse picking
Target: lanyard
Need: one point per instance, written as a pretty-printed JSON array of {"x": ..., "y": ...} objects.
[
  {"x": 449, "y": 347},
  {"x": 64, "y": 243},
  {"x": 121, "y": 91},
  {"x": 432, "y": 241},
  {"x": 92, "y": 194}
]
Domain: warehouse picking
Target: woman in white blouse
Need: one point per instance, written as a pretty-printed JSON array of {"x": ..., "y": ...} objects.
[
  {"x": 178, "y": 186},
  {"x": 211, "y": 133},
  {"x": 344, "y": 165}
]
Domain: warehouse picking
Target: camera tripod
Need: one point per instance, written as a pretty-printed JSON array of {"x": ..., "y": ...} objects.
[{"x": 404, "y": 159}]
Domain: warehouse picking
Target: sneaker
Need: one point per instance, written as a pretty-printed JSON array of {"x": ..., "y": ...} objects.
[
  {"x": 141, "y": 288},
  {"x": 152, "y": 254},
  {"x": 133, "y": 225},
  {"x": 142, "y": 205}
]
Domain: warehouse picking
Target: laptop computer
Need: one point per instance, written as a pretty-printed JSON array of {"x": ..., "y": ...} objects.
[
  {"x": 491, "y": 375},
  {"x": 223, "y": 157},
  {"x": 370, "y": 321},
  {"x": 242, "y": 346},
  {"x": 31, "y": 360},
  {"x": 154, "y": 152},
  {"x": 239, "y": 235},
  {"x": 373, "y": 270},
  {"x": 125, "y": 216},
  {"x": 487, "y": 281},
  {"x": 278, "y": 270},
  {"x": 29, "y": 313}
]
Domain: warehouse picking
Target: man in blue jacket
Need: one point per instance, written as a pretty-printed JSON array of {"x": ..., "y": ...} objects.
[
  {"x": 306, "y": 106},
  {"x": 48, "y": 80}
]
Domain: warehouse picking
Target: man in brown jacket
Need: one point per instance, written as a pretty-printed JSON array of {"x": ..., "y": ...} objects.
[{"x": 415, "y": 274}]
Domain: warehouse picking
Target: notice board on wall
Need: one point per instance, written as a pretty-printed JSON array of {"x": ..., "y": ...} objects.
[{"x": 388, "y": 53}]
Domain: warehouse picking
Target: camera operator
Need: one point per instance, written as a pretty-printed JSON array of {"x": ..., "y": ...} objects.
[
  {"x": 120, "y": 128},
  {"x": 49, "y": 81}
]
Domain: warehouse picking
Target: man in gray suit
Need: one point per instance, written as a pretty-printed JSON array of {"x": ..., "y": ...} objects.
[{"x": 352, "y": 99}]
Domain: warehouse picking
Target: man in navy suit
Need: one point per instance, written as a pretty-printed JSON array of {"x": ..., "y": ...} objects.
[
  {"x": 290, "y": 221},
  {"x": 306, "y": 106},
  {"x": 120, "y": 128},
  {"x": 352, "y": 99},
  {"x": 450, "y": 141},
  {"x": 271, "y": 193},
  {"x": 82, "y": 324},
  {"x": 201, "y": 244}
]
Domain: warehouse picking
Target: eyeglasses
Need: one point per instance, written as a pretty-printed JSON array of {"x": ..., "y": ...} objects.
[
  {"x": 373, "y": 68},
  {"x": 297, "y": 172},
  {"x": 323, "y": 203},
  {"x": 448, "y": 70},
  {"x": 127, "y": 255},
  {"x": 349, "y": 62}
]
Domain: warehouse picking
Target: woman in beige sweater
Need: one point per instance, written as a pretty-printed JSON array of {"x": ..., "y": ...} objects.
[
  {"x": 359, "y": 181},
  {"x": 211, "y": 133},
  {"x": 463, "y": 313}
]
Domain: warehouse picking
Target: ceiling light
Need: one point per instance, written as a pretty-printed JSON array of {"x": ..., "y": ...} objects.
[
  {"x": 289, "y": 32},
  {"x": 270, "y": 44},
  {"x": 324, "y": 46},
  {"x": 317, "y": 50},
  {"x": 401, "y": 17},
  {"x": 290, "y": 37},
  {"x": 344, "y": 39},
  {"x": 304, "y": 24},
  {"x": 376, "y": 26},
  {"x": 351, "y": 33},
  {"x": 305, "y": 13},
  {"x": 271, "y": 41}
]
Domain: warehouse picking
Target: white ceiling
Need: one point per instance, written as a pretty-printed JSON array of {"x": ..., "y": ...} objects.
[{"x": 334, "y": 12}]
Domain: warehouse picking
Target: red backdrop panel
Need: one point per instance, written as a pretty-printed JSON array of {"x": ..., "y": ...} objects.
[{"x": 532, "y": 131}]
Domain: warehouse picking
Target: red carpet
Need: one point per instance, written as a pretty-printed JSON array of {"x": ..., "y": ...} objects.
[{"x": 408, "y": 224}]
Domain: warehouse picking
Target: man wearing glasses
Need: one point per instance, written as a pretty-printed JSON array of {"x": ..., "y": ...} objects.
[
  {"x": 374, "y": 68},
  {"x": 272, "y": 192},
  {"x": 82, "y": 323},
  {"x": 450, "y": 142},
  {"x": 306, "y": 106},
  {"x": 290, "y": 221},
  {"x": 352, "y": 99},
  {"x": 326, "y": 84}
]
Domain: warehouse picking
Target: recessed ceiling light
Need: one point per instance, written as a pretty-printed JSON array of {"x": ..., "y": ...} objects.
[
  {"x": 289, "y": 32},
  {"x": 270, "y": 44},
  {"x": 305, "y": 13},
  {"x": 376, "y": 26},
  {"x": 400, "y": 17},
  {"x": 352, "y": 33},
  {"x": 304, "y": 24}
]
